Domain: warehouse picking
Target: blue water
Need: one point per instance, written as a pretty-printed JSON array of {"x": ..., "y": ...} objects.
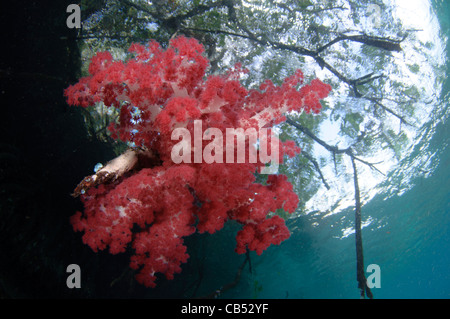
[
  {"x": 410, "y": 242},
  {"x": 408, "y": 236}
]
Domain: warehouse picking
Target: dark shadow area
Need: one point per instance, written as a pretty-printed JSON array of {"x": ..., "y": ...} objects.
[{"x": 44, "y": 151}]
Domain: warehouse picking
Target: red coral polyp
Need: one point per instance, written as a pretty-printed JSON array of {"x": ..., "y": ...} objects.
[{"x": 151, "y": 209}]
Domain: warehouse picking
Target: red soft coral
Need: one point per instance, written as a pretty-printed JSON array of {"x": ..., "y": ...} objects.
[
  {"x": 258, "y": 237},
  {"x": 152, "y": 207}
]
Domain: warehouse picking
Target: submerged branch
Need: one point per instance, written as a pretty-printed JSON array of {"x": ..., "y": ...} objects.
[
  {"x": 215, "y": 294},
  {"x": 173, "y": 22},
  {"x": 377, "y": 102},
  {"x": 317, "y": 167},
  {"x": 367, "y": 78},
  {"x": 360, "y": 274},
  {"x": 307, "y": 132},
  {"x": 333, "y": 149},
  {"x": 387, "y": 44}
]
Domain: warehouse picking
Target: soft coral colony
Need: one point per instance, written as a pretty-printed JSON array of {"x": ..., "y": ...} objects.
[{"x": 145, "y": 202}]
